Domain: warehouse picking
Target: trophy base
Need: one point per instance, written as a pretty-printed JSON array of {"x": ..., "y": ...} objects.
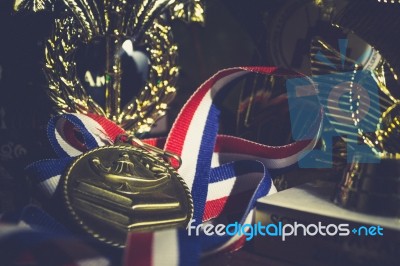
[{"x": 372, "y": 188}]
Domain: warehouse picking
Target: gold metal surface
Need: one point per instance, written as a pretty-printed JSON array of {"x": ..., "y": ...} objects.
[
  {"x": 163, "y": 155},
  {"x": 370, "y": 182},
  {"x": 386, "y": 119},
  {"x": 34, "y": 5},
  {"x": 113, "y": 190},
  {"x": 189, "y": 11},
  {"x": 144, "y": 23},
  {"x": 371, "y": 187}
]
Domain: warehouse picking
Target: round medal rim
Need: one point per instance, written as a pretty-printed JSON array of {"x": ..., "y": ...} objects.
[{"x": 83, "y": 225}]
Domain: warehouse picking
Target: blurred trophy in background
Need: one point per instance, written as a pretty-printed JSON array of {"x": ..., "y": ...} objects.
[
  {"x": 348, "y": 43},
  {"x": 365, "y": 112}
]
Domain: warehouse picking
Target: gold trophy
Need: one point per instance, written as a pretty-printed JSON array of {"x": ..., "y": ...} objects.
[
  {"x": 120, "y": 25},
  {"x": 128, "y": 186},
  {"x": 371, "y": 181}
]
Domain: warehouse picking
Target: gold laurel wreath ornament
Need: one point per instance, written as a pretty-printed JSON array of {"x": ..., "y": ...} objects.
[{"x": 144, "y": 23}]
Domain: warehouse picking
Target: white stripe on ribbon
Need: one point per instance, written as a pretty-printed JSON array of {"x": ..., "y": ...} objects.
[
  {"x": 194, "y": 135},
  {"x": 91, "y": 125},
  {"x": 95, "y": 129},
  {"x": 9, "y": 229},
  {"x": 49, "y": 186},
  {"x": 165, "y": 244},
  {"x": 272, "y": 189},
  {"x": 220, "y": 158},
  {"x": 233, "y": 186},
  {"x": 61, "y": 139},
  {"x": 100, "y": 261},
  {"x": 165, "y": 248}
]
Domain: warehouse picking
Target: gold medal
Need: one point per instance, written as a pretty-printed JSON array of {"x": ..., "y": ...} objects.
[{"x": 113, "y": 190}]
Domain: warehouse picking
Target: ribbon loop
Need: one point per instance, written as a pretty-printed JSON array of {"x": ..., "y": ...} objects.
[
  {"x": 72, "y": 134},
  {"x": 225, "y": 174}
]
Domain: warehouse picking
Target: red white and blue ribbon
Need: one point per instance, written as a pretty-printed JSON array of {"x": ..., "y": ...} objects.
[
  {"x": 225, "y": 174},
  {"x": 219, "y": 169}
]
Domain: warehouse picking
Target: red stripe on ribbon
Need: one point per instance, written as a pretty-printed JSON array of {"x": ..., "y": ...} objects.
[
  {"x": 111, "y": 129},
  {"x": 230, "y": 144},
  {"x": 177, "y": 135},
  {"x": 229, "y": 204},
  {"x": 70, "y": 134},
  {"x": 236, "y": 245},
  {"x": 157, "y": 142},
  {"x": 139, "y": 249}
]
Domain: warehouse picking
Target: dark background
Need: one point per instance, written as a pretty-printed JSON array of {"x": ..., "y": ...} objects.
[{"x": 236, "y": 33}]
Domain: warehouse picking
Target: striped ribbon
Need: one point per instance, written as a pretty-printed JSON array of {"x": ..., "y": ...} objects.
[{"x": 225, "y": 174}]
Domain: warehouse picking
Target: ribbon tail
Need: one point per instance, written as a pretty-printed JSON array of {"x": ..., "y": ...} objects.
[{"x": 46, "y": 174}]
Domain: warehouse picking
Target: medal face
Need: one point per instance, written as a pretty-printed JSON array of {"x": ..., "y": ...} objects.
[{"x": 113, "y": 190}]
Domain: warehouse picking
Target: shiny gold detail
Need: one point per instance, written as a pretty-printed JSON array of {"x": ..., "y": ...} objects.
[
  {"x": 318, "y": 2},
  {"x": 122, "y": 177},
  {"x": 113, "y": 190},
  {"x": 188, "y": 11},
  {"x": 389, "y": 1},
  {"x": 371, "y": 187},
  {"x": 144, "y": 23},
  {"x": 384, "y": 141},
  {"x": 32, "y": 5},
  {"x": 388, "y": 129},
  {"x": 163, "y": 155},
  {"x": 388, "y": 132}
]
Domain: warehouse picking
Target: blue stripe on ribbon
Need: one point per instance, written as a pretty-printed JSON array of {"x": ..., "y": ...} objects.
[
  {"x": 51, "y": 134},
  {"x": 88, "y": 138},
  {"x": 202, "y": 175},
  {"x": 262, "y": 189},
  {"x": 189, "y": 246},
  {"x": 236, "y": 168},
  {"x": 230, "y": 170},
  {"x": 222, "y": 172},
  {"x": 189, "y": 249},
  {"x": 39, "y": 220},
  {"x": 43, "y": 170}
]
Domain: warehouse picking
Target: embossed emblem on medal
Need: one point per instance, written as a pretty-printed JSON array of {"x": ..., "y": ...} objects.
[{"x": 113, "y": 190}]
